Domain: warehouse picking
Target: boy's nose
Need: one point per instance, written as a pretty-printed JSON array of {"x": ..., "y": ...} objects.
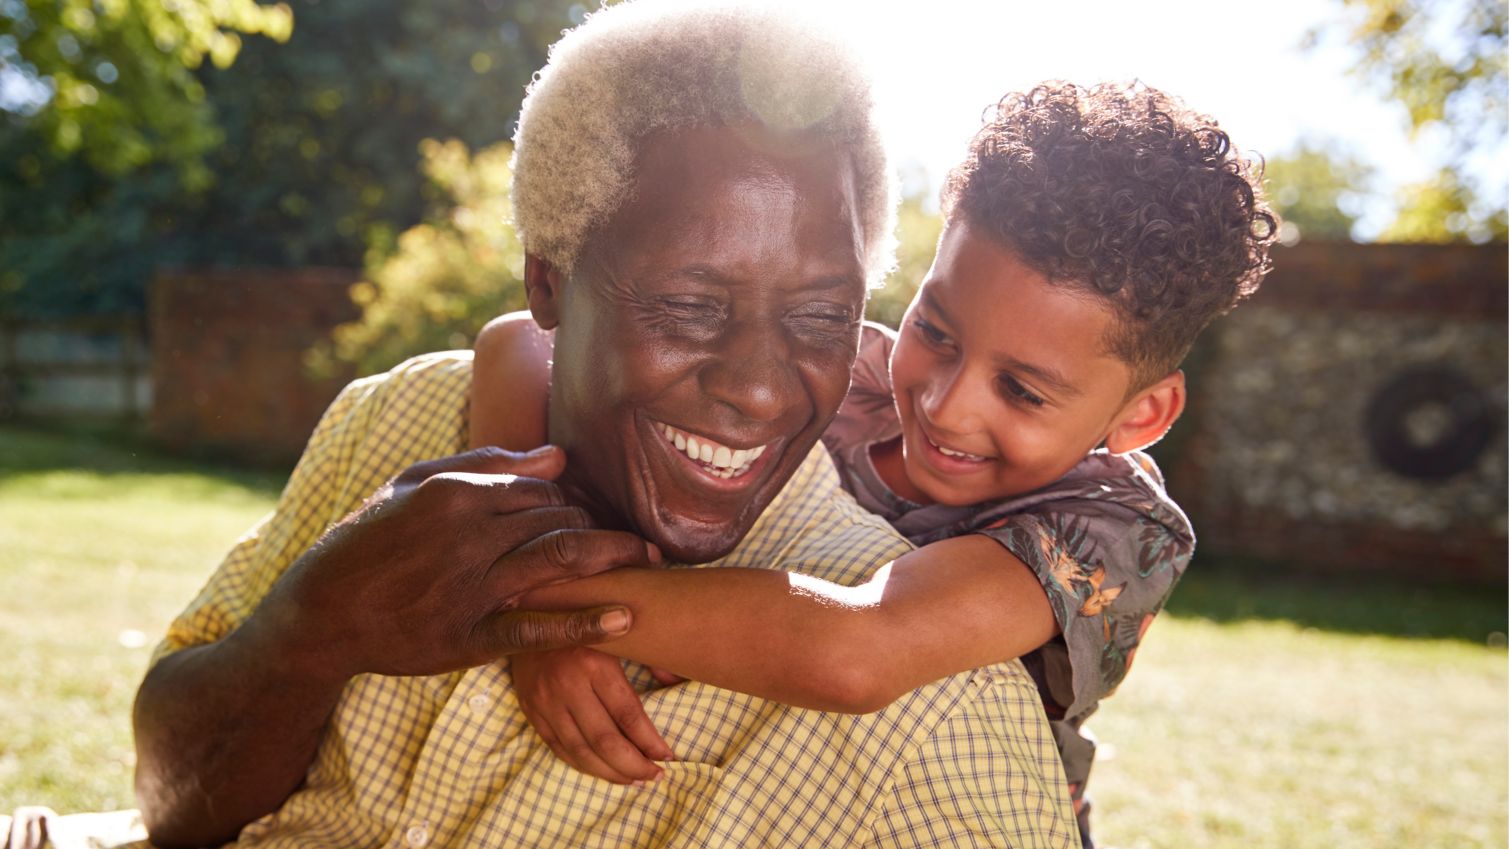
[{"x": 949, "y": 402}]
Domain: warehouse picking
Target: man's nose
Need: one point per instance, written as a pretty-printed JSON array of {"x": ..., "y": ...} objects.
[
  {"x": 949, "y": 404},
  {"x": 751, "y": 371}
]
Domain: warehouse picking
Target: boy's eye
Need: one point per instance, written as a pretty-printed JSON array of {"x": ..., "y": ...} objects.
[
  {"x": 930, "y": 333},
  {"x": 1017, "y": 391}
]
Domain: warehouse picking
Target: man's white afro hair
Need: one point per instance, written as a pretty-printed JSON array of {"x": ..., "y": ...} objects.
[{"x": 643, "y": 67}]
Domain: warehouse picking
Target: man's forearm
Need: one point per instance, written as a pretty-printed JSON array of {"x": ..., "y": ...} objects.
[{"x": 224, "y": 733}]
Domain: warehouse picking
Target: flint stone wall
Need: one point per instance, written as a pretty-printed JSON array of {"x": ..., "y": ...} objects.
[{"x": 1282, "y": 464}]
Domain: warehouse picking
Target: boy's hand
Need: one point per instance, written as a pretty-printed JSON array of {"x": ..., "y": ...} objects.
[
  {"x": 581, "y": 703},
  {"x": 665, "y": 677}
]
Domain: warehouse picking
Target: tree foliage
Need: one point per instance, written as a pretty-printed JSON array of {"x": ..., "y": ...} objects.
[
  {"x": 1441, "y": 209},
  {"x": 315, "y": 153},
  {"x": 917, "y": 229},
  {"x": 1446, "y": 63},
  {"x": 113, "y": 81},
  {"x": 450, "y": 274},
  {"x": 1317, "y": 190}
]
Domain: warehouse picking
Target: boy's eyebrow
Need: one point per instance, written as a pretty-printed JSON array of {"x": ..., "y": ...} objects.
[{"x": 1042, "y": 374}]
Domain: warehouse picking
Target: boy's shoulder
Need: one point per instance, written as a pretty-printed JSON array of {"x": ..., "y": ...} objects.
[
  {"x": 867, "y": 414},
  {"x": 872, "y": 369},
  {"x": 1108, "y": 496},
  {"x": 1127, "y": 487}
]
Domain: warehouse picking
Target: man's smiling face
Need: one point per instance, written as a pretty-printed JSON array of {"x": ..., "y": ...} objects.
[{"x": 705, "y": 338}]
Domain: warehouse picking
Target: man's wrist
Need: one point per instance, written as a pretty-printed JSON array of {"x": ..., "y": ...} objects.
[{"x": 274, "y": 647}]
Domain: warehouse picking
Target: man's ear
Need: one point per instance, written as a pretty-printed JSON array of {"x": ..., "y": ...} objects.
[
  {"x": 1148, "y": 415},
  {"x": 542, "y": 286}
]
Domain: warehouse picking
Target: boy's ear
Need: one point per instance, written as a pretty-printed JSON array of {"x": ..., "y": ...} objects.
[
  {"x": 1148, "y": 415},
  {"x": 542, "y": 286}
]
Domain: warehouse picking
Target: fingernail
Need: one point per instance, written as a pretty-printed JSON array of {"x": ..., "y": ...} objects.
[
  {"x": 537, "y": 452},
  {"x": 655, "y": 555},
  {"x": 615, "y": 621}
]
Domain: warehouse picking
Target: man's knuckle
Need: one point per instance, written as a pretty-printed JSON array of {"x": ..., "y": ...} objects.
[
  {"x": 578, "y": 628},
  {"x": 518, "y": 631},
  {"x": 441, "y": 489},
  {"x": 486, "y": 454},
  {"x": 535, "y": 491},
  {"x": 623, "y": 548},
  {"x": 551, "y": 493},
  {"x": 560, "y": 549}
]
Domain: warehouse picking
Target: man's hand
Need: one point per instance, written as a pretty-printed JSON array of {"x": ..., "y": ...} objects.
[
  {"x": 425, "y": 578},
  {"x": 580, "y": 703}
]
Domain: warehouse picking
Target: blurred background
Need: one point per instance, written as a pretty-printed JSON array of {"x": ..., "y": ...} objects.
[{"x": 215, "y": 212}]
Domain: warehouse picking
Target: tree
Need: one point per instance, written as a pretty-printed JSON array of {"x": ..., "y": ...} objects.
[
  {"x": 450, "y": 274},
  {"x": 114, "y": 81},
  {"x": 1437, "y": 211},
  {"x": 315, "y": 154},
  {"x": 1317, "y": 190},
  {"x": 322, "y": 154},
  {"x": 1445, "y": 62},
  {"x": 918, "y": 226}
]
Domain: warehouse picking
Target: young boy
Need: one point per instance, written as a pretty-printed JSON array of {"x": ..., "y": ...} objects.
[{"x": 1090, "y": 235}]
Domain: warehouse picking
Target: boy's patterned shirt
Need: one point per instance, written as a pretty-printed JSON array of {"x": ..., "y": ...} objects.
[
  {"x": 1105, "y": 540},
  {"x": 449, "y": 760}
]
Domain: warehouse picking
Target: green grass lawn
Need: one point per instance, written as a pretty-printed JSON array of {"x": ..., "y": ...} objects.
[{"x": 1265, "y": 709}]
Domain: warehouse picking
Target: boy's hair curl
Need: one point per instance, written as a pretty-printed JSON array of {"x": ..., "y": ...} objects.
[
  {"x": 640, "y": 68},
  {"x": 1123, "y": 192}
]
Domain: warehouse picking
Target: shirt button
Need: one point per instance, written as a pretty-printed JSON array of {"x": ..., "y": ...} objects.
[
  {"x": 479, "y": 704},
  {"x": 417, "y": 836}
]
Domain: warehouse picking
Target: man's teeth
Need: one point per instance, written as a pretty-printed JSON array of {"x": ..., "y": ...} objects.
[{"x": 722, "y": 461}]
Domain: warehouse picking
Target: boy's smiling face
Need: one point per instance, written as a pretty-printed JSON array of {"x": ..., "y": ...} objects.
[{"x": 1002, "y": 380}]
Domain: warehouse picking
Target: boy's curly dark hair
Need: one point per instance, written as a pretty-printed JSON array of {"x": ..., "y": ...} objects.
[{"x": 1122, "y": 191}]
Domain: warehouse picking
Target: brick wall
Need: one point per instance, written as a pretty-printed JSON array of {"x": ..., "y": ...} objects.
[
  {"x": 228, "y": 373},
  {"x": 1283, "y": 457}
]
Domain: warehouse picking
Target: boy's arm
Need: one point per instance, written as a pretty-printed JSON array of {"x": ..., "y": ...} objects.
[
  {"x": 511, "y": 383},
  {"x": 954, "y": 605}
]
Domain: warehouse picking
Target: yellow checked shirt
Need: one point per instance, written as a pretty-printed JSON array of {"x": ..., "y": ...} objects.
[{"x": 449, "y": 760}]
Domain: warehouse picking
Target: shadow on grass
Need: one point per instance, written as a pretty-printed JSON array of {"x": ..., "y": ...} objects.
[
  {"x": 112, "y": 449},
  {"x": 1233, "y": 590}
]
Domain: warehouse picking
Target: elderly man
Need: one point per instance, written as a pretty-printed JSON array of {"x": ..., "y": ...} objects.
[{"x": 703, "y": 199}]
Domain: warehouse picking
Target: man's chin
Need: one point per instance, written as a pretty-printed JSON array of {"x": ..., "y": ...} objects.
[
  {"x": 697, "y": 521},
  {"x": 688, "y": 541}
]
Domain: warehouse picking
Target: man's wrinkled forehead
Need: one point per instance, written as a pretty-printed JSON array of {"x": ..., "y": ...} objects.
[{"x": 680, "y": 175}]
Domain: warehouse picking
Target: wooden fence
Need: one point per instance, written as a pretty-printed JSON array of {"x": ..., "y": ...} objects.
[{"x": 80, "y": 367}]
